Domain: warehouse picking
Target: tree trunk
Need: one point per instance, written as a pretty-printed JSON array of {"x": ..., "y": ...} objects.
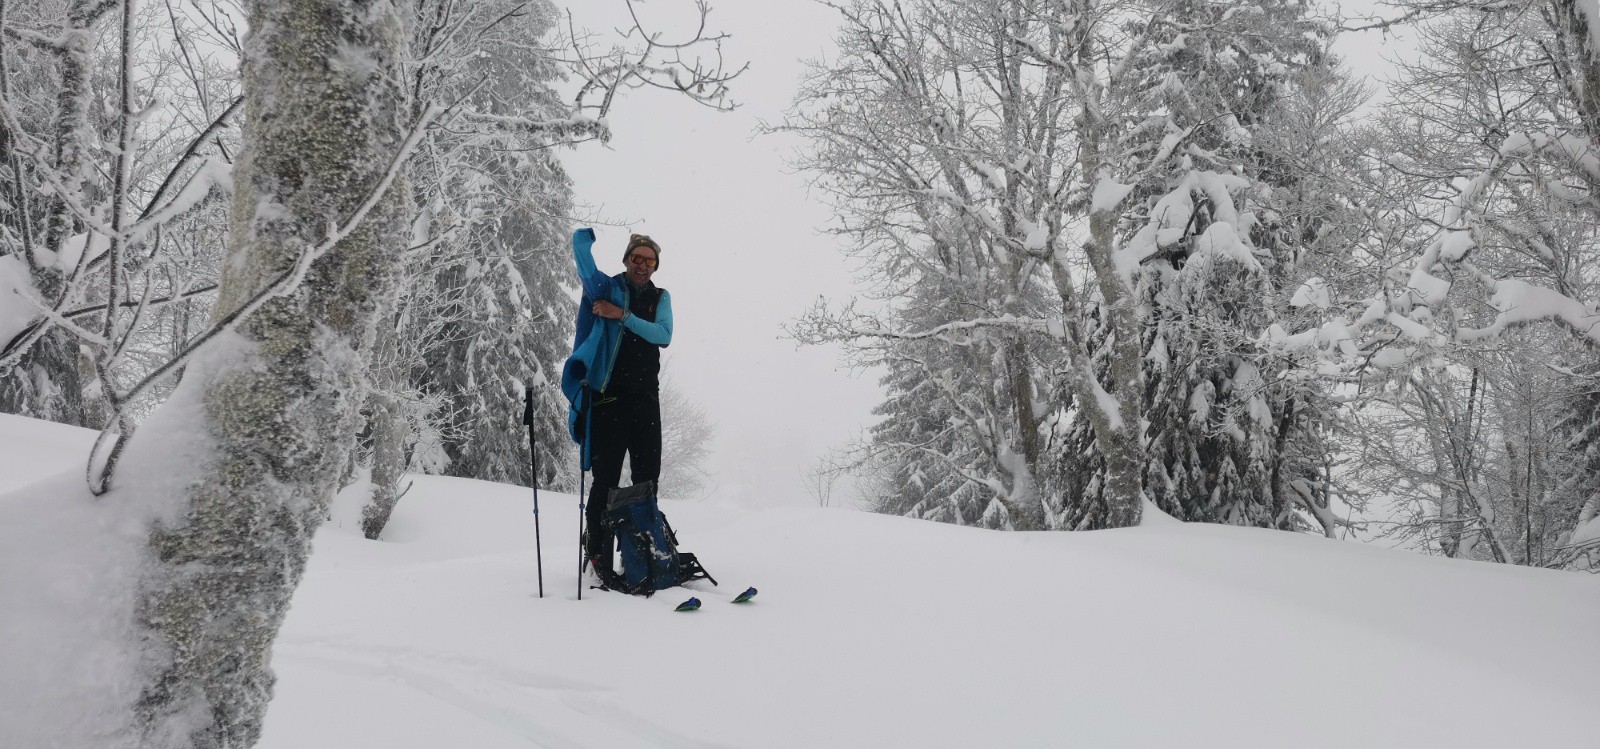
[
  {"x": 390, "y": 438},
  {"x": 1116, "y": 419},
  {"x": 276, "y": 403},
  {"x": 1580, "y": 67},
  {"x": 1117, "y": 433}
]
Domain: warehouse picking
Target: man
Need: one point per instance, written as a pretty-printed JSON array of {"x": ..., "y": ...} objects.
[{"x": 612, "y": 379}]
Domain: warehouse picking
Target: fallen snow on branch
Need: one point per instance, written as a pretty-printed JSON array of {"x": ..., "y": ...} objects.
[
  {"x": 18, "y": 299},
  {"x": 1521, "y": 302}
]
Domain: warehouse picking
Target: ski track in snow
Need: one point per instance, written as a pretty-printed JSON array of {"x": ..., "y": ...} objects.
[{"x": 543, "y": 709}]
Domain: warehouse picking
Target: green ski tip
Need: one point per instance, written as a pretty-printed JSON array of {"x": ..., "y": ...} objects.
[
  {"x": 748, "y": 594},
  {"x": 693, "y": 604}
]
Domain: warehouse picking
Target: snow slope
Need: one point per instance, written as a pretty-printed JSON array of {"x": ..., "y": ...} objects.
[{"x": 870, "y": 631}]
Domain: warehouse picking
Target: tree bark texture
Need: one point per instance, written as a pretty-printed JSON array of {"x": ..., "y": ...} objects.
[
  {"x": 390, "y": 438},
  {"x": 281, "y": 399}
]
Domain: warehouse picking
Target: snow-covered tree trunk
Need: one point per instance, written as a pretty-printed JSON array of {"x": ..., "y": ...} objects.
[
  {"x": 1577, "y": 29},
  {"x": 390, "y": 438},
  {"x": 1113, "y": 407},
  {"x": 273, "y": 405}
]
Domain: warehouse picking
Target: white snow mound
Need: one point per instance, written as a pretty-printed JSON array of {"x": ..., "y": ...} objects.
[{"x": 869, "y": 631}]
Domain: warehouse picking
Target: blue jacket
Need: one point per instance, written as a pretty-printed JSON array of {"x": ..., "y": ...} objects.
[{"x": 596, "y": 340}]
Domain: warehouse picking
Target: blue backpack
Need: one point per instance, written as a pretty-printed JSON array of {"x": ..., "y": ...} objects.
[{"x": 648, "y": 547}]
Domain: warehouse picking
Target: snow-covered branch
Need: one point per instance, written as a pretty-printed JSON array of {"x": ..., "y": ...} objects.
[
  {"x": 570, "y": 128},
  {"x": 944, "y": 331},
  {"x": 693, "y": 66},
  {"x": 289, "y": 280}
]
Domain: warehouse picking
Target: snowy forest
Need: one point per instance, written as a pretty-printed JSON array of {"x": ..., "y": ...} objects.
[
  {"x": 1113, "y": 255},
  {"x": 1174, "y": 252}
]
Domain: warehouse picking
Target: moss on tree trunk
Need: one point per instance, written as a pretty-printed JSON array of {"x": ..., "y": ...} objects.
[{"x": 281, "y": 407}]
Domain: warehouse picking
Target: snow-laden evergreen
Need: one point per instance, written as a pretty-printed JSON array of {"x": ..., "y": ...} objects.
[
  {"x": 1227, "y": 429},
  {"x": 485, "y": 309}
]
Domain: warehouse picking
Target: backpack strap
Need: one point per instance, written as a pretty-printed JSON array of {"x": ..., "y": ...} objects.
[{"x": 689, "y": 568}]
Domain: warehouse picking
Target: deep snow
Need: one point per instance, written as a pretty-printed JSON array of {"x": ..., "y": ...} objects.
[{"x": 869, "y": 631}]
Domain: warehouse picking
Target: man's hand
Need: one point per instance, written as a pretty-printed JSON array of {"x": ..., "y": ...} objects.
[{"x": 608, "y": 310}]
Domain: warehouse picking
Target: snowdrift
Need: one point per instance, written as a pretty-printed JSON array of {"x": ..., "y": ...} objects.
[{"x": 870, "y": 631}]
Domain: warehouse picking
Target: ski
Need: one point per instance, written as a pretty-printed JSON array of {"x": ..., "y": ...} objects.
[
  {"x": 693, "y": 604},
  {"x": 744, "y": 597}
]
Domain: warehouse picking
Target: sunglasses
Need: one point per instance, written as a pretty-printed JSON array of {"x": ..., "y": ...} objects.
[{"x": 648, "y": 261}]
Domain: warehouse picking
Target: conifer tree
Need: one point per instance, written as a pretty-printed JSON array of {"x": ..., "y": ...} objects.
[
  {"x": 1577, "y": 494},
  {"x": 484, "y": 311},
  {"x": 1218, "y": 421}
]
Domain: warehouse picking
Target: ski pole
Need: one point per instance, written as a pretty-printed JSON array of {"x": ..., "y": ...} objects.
[
  {"x": 580, "y": 529},
  {"x": 533, "y": 450},
  {"x": 583, "y": 451}
]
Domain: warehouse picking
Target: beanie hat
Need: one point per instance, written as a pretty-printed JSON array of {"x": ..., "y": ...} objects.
[{"x": 642, "y": 240}]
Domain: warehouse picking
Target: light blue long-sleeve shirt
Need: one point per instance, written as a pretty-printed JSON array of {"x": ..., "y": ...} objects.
[{"x": 596, "y": 339}]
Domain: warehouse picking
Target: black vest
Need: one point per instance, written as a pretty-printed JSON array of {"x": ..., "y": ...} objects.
[{"x": 638, "y": 367}]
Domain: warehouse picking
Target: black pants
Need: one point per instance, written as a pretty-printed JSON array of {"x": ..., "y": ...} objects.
[{"x": 628, "y": 425}]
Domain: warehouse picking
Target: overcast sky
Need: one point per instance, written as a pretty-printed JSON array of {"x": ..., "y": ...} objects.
[{"x": 742, "y": 251}]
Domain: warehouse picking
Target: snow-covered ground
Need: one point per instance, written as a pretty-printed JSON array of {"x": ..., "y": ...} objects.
[{"x": 869, "y": 631}]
